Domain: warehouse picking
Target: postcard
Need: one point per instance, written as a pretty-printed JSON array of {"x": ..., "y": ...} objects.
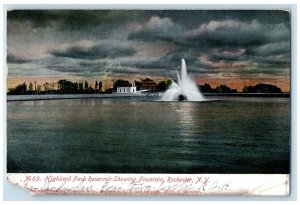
[{"x": 149, "y": 102}]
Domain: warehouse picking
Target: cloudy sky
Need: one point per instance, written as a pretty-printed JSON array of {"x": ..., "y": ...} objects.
[{"x": 235, "y": 48}]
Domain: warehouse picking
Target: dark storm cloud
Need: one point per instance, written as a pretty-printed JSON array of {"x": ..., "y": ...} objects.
[
  {"x": 80, "y": 67},
  {"x": 225, "y": 39},
  {"x": 229, "y": 55},
  {"x": 71, "y": 19},
  {"x": 191, "y": 18},
  {"x": 223, "y": 33},
  {"x": 77, "y": 19},
  {"x": 227, "y": 58},
  {"x": 96, "y": 51},
  {"x": 170, "y": 61},
  {"x": 75, "y": 66},
  {"x": 88, "y": 67},
  {"x": 273, "y": 62},
  {"x": 72, "y": 69},
  {"x": 174, "y": 59},
  {"x": 226, "y": 33},
  {"x": 17, "y": 59},
  {"x": 274, "y": 48},
  {"x": 211, "y": 41},
  {"x": 273, "y": 72},
  {"x": 91, "y": 64},
  {"x": 157, "y": 29}
]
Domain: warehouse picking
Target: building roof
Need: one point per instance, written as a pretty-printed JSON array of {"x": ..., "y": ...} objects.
[
  {"x": 127, "y": 87},
  {"x": 147, "y": 80}
]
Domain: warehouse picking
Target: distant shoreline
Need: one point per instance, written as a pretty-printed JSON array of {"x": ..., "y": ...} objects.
[
  {"x": 287, "y": 95},
  {"x": 116, "y": 95},
  {"x": 67, "y": 96}
]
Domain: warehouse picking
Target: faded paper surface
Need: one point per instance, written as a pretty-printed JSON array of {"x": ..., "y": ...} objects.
[{"x": 154, "y": 184}]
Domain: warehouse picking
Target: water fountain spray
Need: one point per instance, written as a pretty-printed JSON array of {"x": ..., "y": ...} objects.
[{"x": 184, "y": 89}]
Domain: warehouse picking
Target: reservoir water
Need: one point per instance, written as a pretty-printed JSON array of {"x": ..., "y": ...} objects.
[{"x": 143, "y": 135}]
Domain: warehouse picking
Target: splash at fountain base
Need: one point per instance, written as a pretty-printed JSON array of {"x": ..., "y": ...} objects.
[{"x": 182, "y": 98}]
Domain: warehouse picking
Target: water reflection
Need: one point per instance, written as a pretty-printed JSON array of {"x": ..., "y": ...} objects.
[{"x": 186, "y": 118}]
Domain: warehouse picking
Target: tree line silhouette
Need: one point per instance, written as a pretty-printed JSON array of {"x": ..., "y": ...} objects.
[
  {"x": 258, "y": 88},
  {"x": 61, "y": 87},
  {"x": 69, "y": 87}
]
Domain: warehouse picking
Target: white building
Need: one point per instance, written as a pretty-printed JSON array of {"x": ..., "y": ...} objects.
[{"x": 126, "y": 90}]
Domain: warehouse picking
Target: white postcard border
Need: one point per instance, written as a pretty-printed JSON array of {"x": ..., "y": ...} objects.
[
  {"x": 15, "y": 177},
  {"x": 154, "y": 184}
]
